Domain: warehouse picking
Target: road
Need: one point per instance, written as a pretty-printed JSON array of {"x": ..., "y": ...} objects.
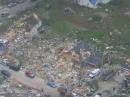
[
  {"x": 35, "y": 83},
  {"x": 17, "y": 9}
]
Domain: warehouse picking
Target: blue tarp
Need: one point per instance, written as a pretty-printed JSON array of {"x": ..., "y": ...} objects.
[{"x": 94, "y": 2}]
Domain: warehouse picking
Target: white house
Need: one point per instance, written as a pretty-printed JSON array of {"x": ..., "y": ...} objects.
[{"x": 92, "y": 3}]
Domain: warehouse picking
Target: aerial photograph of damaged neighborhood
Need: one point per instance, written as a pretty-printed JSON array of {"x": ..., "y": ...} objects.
[{"x": 64, "y": 48}]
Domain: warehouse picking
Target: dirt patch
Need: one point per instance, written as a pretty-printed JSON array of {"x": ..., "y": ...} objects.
[
  {"x": 107, "y": 85},
  {"x": 83, "y": 22},
  {"x": 127, "y": 13}
]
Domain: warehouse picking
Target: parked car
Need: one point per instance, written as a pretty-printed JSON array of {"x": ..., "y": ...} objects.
[
  {"x": 6, "y": 73},
  {"x": 14, "y": 67},
  {"x": 94, "y": 73},
  {"x": 51, "y": 84},
  {"x": 29, "y": 73},
  {"x": 5, "y": 14}
]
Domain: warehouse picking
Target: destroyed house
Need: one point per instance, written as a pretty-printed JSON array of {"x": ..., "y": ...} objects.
[
  {"x": 126, "y": 66},
  {"x": 128, "y": 61},
  {"x": 81, "y": 45},
  {"x": 95, "y": 60},
  {"x": 128, "y": 77},
  {"x": 96, "y": 57}
]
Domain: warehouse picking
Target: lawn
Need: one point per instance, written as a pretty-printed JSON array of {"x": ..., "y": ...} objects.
[
  {"x": 4, "y": 2},
  {"x": 55, "y": 20},
  {"x": 5, "y": 25},
  {"x": 62, "y": 25}
]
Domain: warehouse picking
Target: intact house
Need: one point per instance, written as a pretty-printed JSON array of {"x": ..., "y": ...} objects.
[{"x": 92, "y": 3}]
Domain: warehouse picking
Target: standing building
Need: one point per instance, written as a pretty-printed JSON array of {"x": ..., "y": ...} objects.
[{"x": 91, "y": 3}]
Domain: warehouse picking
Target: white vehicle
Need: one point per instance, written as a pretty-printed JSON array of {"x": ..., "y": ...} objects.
[
  {"x": 3, "y": 41},
  {"x": 94, "y": 73},
  {"x": 97, "y": 96}
]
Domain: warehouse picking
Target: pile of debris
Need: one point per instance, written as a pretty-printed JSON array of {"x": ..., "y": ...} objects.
[{"x": 70, "y": 62}]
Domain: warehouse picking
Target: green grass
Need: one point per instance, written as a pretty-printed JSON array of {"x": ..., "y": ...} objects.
[
  {"x": 4, "y": 2},
  {"x": 1, "y": 78},
  {"x": 5, "y": 25},
  {"x": 59, "y": 25},
  {"x": 54, "y": 17}
]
